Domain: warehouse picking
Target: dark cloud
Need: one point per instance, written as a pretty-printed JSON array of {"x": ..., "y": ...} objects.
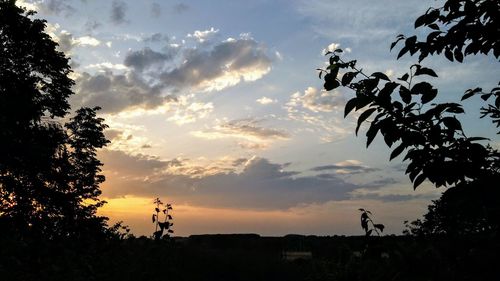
[
  {"x": 131, "y": 166},
  {"x": 92, "y": 25},
  {"x": 155, "y": 10},
  {"x": 224, "y": 65},
  {"x": 139, "y": 60},
  {"x": 251, "y": 127},
  {"x": 118, "y": 12},
  {"x": 180, "y": 8},
  {"x": 56, "y": 7},
  {"x": 243, "y": 59},
  {"x": 261, "y": 185},
  {"x": 345, "y": 168},
  {"x": 66, "y": 42},
  {"x": 155, "y": 38},
  {"x": 116, "y": 92},
  {"x": 394, "y": 197}
]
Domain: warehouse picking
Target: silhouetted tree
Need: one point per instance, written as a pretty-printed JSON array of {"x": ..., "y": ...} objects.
[
  {"x": 436, "y": 146},
  {"x": 49, "y": 173}
]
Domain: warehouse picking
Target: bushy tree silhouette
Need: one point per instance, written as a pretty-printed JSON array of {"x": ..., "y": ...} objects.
[
  {"x": 49, "y": 173},
  {"x": 437, "y": 147}
]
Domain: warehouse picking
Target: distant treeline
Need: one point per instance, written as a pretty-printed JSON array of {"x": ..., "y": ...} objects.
[{"x": 251, "y": 257}]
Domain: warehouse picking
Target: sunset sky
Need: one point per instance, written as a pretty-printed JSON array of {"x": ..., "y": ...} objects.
[{"x": 216, "y": 107}]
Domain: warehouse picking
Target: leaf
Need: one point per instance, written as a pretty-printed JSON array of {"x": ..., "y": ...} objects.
[
  {"x": 330, "y": 83},
  {"x": 404, "y": 77},
  {"x": 452, "y": 123},
  {"x": 369, "y": 232},
  {"x": 470, "y": 92},
  {"x": 399, "y": 38},
  {"x": 169, "y": 217},
  {"x": 334, "y": 59},
  {"x": 361, "y": 209},
  {"x": 485, "y": 97},
  {"x": 477, "y": 139},
  {"x": 157, "y": 210},
  {"x": 448, "y": 54},
  {"x": 425, "y": 71},
  {"x": 153, "y": 218},
  {"x": 379, "y": 226},
  {"x": 388, "y": 89},
  {"x": 170, "y": 231},
  {"x": 421, "y": 20},
  {"x": 380, "y": 75},
  {"x": 418, "y": 180},
  {"x": 429, "y": 96},
  {"x": 372, "y": 133},
  {"x": 397, "y": 151},
  {"x": 349, "y": 106},
  {"x": 364, "y": 225},
  {"x": 458, "y": 55},
  {"x": 363, "y": 117},
  {"x": 405, "y": 94},
  {"x": 403, "y": 51},
  {"x": 347, "y": 78}
]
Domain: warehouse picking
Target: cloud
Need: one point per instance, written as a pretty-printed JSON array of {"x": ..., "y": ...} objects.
[
  {"x": 139, "y": 60},
  {"x": 67, "y": 41},
  {"x": 116, "y": 92},
  {"x": 204, "y": 35},
  {"x": 248, "y": 129},
  {"x": 187, "y": 111},
  {"x": 92, "y": 25},
  {"x": 194, "y": 70},
  {"x": 156, "y": 37},
  {"x": 107, "y": 66},
  {"x": 346, "y": 167},
  {"x": 260, "y": 184},
  {"x": 118, "y": 12},
  {"x": 266, "y": 100},
  {"x": 180, "y": 8},
  {"x": 226, "y": 64},
  {"x": 155, "y": 10},
  {"x": 359, "y": 20},
  {"x": 51, "y": 7},
  {"x": 317, "y": 100}
]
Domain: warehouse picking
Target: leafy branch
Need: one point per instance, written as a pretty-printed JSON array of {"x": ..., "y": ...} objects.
[
  {"x": 162, "y": 225},
  {"x": 368, "y": 225}
]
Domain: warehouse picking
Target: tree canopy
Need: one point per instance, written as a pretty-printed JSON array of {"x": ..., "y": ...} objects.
[
  {"x": 49, "y": 173},
  {"x": 436, "y": 145}
]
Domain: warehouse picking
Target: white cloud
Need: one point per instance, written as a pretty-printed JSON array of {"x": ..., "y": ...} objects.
[
  {"x": 316, "y": 100},
  {"x": 107, "y": 65},
  {"x": 187, "y": 111},
  {"x": 204, "y": 35},
  {"x": 87, "y": 41},
  {"x": 266, "y": 100}
]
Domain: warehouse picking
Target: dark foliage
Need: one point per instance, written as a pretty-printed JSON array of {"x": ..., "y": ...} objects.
[
  {"x": 430, "y": 135},
  {"x": 49, "y": 173},
  {"x": 250, "y": 257},
  {"x": 163, "y": 229},
  {"x": 368, "y": 225}
]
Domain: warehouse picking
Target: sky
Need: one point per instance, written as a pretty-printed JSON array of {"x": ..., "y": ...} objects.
[{"x": 216, "y": 107}]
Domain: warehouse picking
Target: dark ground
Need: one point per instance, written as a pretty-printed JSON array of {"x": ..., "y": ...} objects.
[{"x": 251, "y": 257}]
